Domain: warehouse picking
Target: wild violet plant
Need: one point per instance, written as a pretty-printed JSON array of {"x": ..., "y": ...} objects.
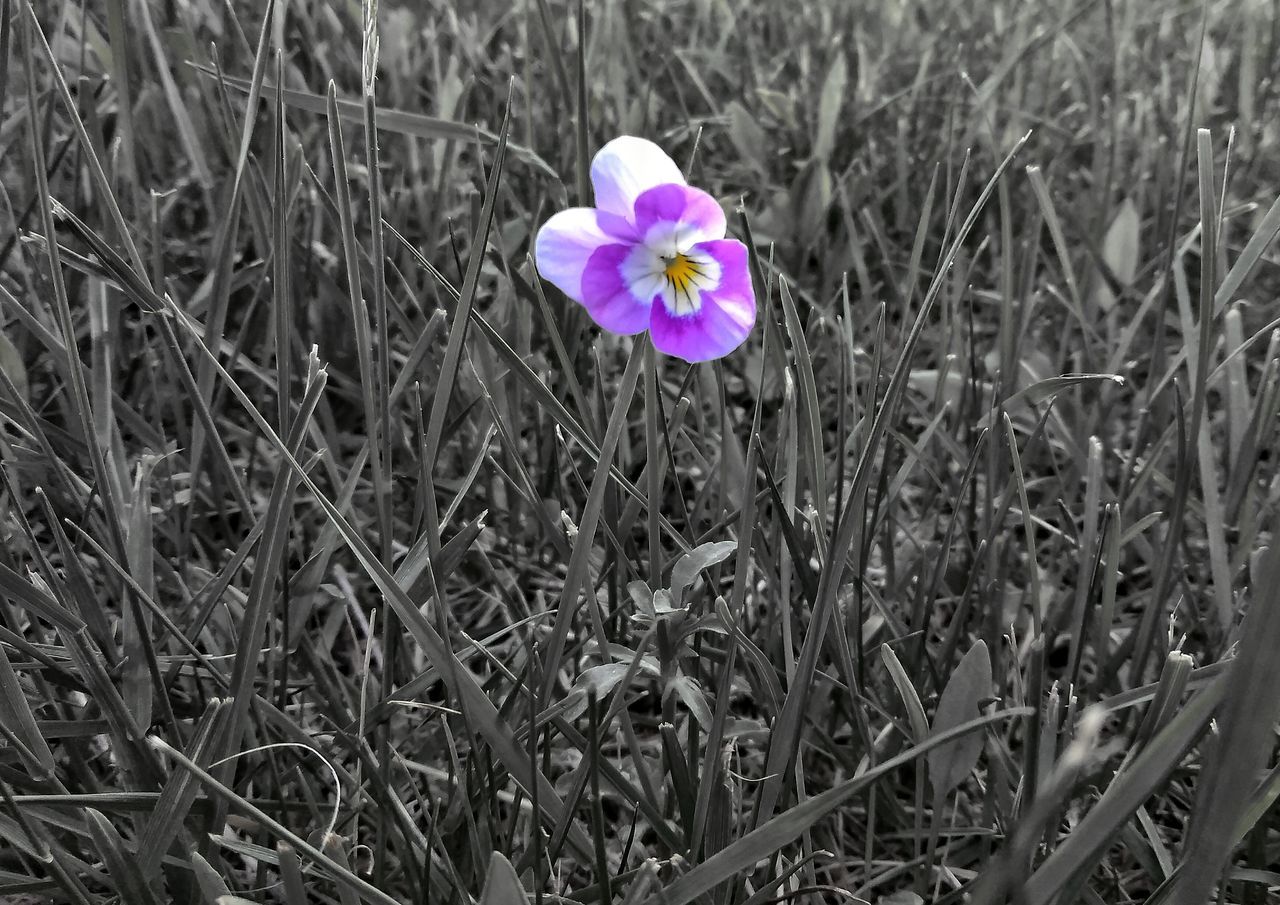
[{"x": 652, "y": 254}]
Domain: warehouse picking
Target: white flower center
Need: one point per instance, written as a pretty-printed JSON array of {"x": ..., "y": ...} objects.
[{"x": 665, "y": 264}]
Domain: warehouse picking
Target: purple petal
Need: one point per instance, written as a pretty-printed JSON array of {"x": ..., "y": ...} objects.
[
  {"x": 625, "y": 168},
  {"x": 679, "y": 215},
  {"x": 567, "y": 241},
  {"x": 608, "y": 297},
  {"x": 725, "y": 317}
]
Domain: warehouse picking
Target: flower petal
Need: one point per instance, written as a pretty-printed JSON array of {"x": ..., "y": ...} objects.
[
  {"x": 624, "y": 168},
  {"x": 566, "y": 242},
  {"x": 723, "y": 320},
  {"x": 608, "y": 297},
  {"x": 678, "y": 216}
]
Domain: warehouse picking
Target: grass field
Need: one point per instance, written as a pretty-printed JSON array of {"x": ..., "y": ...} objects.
[{"x": 345, "y": 560}]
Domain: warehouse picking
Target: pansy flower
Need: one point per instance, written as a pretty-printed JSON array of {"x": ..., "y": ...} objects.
[{"x": 651, "y": 255}]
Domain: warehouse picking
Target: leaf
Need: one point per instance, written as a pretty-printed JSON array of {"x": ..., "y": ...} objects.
[
  {"x": 119, "y": 860},
  {"x": 925, "y": 382},
  {"x": 1120, "y": 245},
  {"x": 833, "y": 93},
  {"x": 1120, "y": 249},
  {"x": 686, "y": 568},
  {"x": 688, "y": 691},
  {"x": 14, "y": 369},
  {"x": 910, "y": 699},
  {"x": 663, "y": 602},
  {"x": 746, "y": 134},
  {"x": 642, "y": 597},
  {"x": 601, "y": 679},
  {"x": 1042, "y": 390},
  {"x": 968, "y": 686},
  {"x": 501, "y": 883}
]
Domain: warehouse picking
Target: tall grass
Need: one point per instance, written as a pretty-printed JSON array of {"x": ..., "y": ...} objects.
[{"x": 346, "y": 561}]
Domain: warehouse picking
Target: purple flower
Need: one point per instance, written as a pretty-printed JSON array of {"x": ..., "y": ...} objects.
[{"x": 651, "y": 254}]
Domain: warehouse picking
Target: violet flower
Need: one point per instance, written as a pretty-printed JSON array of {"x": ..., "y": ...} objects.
[{"x": 651, "y": 255}]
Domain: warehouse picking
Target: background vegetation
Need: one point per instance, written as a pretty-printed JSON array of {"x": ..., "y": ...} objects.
[{"x": 345, "y": 561}]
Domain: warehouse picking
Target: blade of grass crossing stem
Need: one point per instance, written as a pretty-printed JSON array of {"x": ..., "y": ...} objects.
[
  {"x": 1249, "y": 711},
  {"x": 461, "y": 682},
  {"x": 734, "y": 606},
  {"x": 1128, "y": 791},
  {"x": 261, "y": 594},
  {"x": 466, "y": 299},
  {"x": 785, "y": 736},
  {"x": 576, "y": 573},
  {"x": 768, "y": 838}
]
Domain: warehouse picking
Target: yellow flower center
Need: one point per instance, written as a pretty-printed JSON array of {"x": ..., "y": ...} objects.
[{"x": 682, "y": 275}]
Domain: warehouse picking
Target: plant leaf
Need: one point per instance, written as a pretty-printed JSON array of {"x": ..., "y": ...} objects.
[
  {"x": 833, "y": 94},
  {"x": 968, "y": 686},
  {"x": 11, "y": 364},
  {"x": 1119, "y": 251},
  {"x": 686, "y": 568},
  {"x": 501, "y": 883}
]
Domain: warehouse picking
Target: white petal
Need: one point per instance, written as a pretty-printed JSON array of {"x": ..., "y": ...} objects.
[
  {"x": 627, "y": 167},
  {"x": 565, "y": 244}
]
